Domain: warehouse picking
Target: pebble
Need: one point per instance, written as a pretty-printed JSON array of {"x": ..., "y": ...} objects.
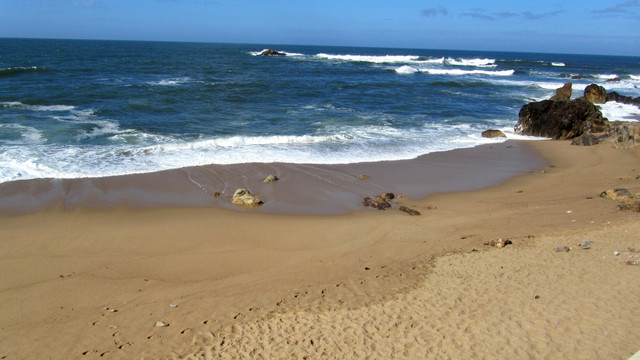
[{"x": 161, "y": 324}]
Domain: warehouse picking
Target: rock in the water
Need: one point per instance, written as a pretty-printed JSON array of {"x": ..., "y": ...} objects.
[
  {"x": 615, "y": 79},
  {"x": 596, "y": 94},
  {"x": 385, "y": 197},
  {"x": 271, "y": 178},
  {"x": 244, "y": 197},
  {"x": 563, "y": 93},
  {"x": 409, "y": 211},
  {"x": 614, "y": 96},
  {"x": 493, "y": 133},
  {"x": 380, "y": 205},
  {"x": 560, "y": 119},
  {"x": 271, "y": 52},
  {"x": 576, "y": 77}
]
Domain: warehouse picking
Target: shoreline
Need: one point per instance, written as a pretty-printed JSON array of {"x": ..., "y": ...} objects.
[
  {"x": 100, "y": 279},
  {"x": 302, "y": 189}
]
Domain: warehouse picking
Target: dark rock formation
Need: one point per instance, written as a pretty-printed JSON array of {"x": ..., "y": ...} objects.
[
  {"x": 560, "y": 119},
  {"x": 596, "y": 94},
  {"x": 576, "y": 77},
  {"x": 563, "y": 93},
  {"x": 271, "y": 52},
  {"x": 615, "y": 79},
  {"x": 614, "y": 96},
  {"x": 493, "y": 133},
  {"x": 385, "y": 197},
  {"x": 380, "y": 205}
]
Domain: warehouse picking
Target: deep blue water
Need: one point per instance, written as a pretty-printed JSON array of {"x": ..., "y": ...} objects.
[{"x": 73, "y": 108}]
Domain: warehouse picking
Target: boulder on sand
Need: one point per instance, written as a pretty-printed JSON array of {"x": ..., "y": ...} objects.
[
  {"x": 244, "y": 197},
  {"x": 491, "y": 133}
]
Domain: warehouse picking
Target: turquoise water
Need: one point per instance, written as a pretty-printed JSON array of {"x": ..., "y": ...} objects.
[{"x": 95, "y": 108}]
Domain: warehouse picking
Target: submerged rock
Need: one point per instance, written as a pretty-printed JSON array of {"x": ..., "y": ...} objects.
[
  {"x": 244, "y": 197},
  {"x": 380, "y": 205}
]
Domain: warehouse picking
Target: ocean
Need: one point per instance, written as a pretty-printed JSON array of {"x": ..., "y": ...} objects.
[{"x": 75, "y": 109}]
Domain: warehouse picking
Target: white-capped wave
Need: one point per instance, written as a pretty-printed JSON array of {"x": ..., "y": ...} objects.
[
  {"x": 471, "y": 62},
  {"x": 37, "y": 107},
  {"x": 406, "y": 69},
  {"x": 635, "y": 77},
  {"x": 460, "y": 72},
  {"x": 559, "y": 64},
  {"x": 606, "y": 76},
  {"x": 381, "y": 59}
]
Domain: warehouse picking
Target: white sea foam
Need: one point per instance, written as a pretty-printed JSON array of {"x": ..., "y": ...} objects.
[
  {"x": 559, "y": 64},
  {"x": 136, "y": 152},
  {"x": 170, "y": 81},
  {"x": 37, "y": 107},
  {"x": 635, "y": 77},
  {"x": 28, "y": 135},
  {"x": 620, "y": 112}
]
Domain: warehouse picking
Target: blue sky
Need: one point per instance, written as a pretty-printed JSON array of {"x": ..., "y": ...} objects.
[{"x": 569, "y": 26}]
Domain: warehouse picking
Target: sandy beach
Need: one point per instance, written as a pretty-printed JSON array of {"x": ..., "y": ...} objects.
[{"x": 99, "y": 270}]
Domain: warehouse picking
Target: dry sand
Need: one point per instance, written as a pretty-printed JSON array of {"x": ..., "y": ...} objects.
[{"x": 93, "y": 283}]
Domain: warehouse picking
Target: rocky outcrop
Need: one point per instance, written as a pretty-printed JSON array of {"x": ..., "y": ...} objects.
[
  {"x": 563, "y": 93},
  {"x": 560, "y": 119},
  {"x": 271, "y": 52},
  {"x": 491, "y": 133},
  {"x": 244, "y": 197},
  {"x": 595, "y": 94},
  {"x": 621, "y": 134},
  {"x": 614, "y": 96}
]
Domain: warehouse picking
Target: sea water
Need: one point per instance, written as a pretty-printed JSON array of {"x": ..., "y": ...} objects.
[{"x": 71, "y": 109}]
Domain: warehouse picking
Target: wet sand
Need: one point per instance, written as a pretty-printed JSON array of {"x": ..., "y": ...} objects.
[{"x": 88, "y": 279}]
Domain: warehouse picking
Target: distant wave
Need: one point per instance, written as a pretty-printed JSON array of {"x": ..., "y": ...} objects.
[
  {"x": 453, "y": 72},
  {"x": 15, "y": 71},
  {"x": 558, "y": 64},
  {"x": 170, "y": 81},
  {"x": 410, "y": 59},
  {"x": 38, "y": 107}
]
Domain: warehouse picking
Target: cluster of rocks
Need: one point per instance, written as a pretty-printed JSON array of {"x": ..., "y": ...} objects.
[
  {"x": 383, "y": 202},
  {"x": 579, "y": 119},
  {"x": 244, "y": 197},
  {"x": 626, "y": 200}
]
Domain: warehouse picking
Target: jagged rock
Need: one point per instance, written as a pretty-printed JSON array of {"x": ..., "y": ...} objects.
[
  {"x": 589, "y": 139},
  {"x": 614, "y": 96},
  {"x": 271, "y": 52},
  {"x": 563, "y": 93},
  {"x": 635, "y": 207},
  {"x": 615, "y": 79},
  {"x": 385, "y": 197},
  {"x": 271, "y": 178},
  {"x": 596, "y": 94},
  {"x": 492, "y": 133},
  {"x": 409, "y": 211},
  {"x": 560, "y": 119},
  {"x": 244, "y": 197},
  {"x": 380, "y": 205},
  {"x": 617, "y": 194}
]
